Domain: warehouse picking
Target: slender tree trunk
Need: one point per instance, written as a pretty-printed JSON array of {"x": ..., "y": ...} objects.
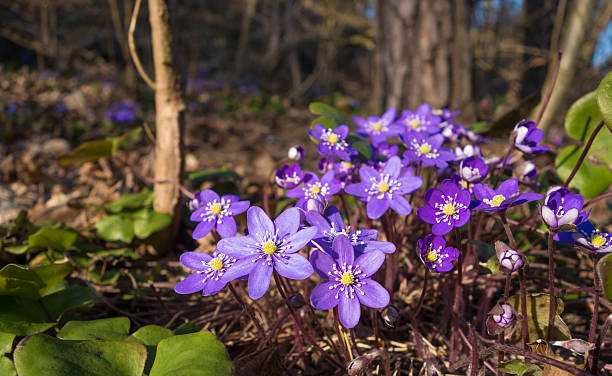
[
  {"x": 169, "y": 110},
  {"x": 577, "y": 24},
  {"x": 245, "y": 28},
  {"x": 461, "y": 95},
  {"x": 121, "y": 36}
]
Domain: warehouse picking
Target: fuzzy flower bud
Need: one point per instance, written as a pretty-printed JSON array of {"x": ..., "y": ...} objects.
[
  {"x": 506, "y": 317},
  {"x": 390, "y": 315},
  {"x": 509, "y": 259},
  {"x": 296, "y": 153}
]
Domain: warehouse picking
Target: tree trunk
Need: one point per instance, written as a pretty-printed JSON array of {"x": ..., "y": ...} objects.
[
  {"x": 578, "y": 22},
  {"x": 461, "y": 95},
  {"x": 413, "y": 52},
  {"x": 169, "y": 110},
  {"x": 245, "y": 27}
]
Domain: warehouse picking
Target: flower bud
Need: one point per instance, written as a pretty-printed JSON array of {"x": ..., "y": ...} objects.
[
  {"x": 509, "y": 259},
  {"x": 360, "y": 364},
  {"x": 500, "y": 317},
  {"x": 297, "y": 301},
  {"x": 296, "y": 152},
  {"x": 390, "y": 315}
]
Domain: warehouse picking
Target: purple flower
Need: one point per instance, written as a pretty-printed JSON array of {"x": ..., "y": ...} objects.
[
  {"x": 384, "y": 151},
  {"x": 315, "y": 189},
  {"x": 426, "y": 149},
  {"x": 333, "y": 141},
  {"x": 446, "y": 207},
  {"x": 436, "y": 255},
  {"x": 288, "y": 177},
  {"x": 420, "y": 120},
  {"x": 123, "y": 111},
  {"x": 467, "y": 151},
  {"x": 445, "y": 113},
  {"x": 216, "y": 212},
  {"x": 589, "y": 237},
  {"x": 331, "y": 226},
  {"x": 296, "y": 153},
  {"x": 526, "y": 137},
  {"x": 473, "y": 169},
  {"x": 384, "y": 190},
  {"x": 209, "y": 270},
  {"x": 506, "y": 317},
  {"x": 270, "y": 246},
  {"x": 509, "y": 259},
  {"x": 507, "y": 195},
  {"x": 349, "y": 283},
  {"x": 526, "y": 172},
  {"x": 562, "y": 208},
  {"x": 378, "y": 128}
]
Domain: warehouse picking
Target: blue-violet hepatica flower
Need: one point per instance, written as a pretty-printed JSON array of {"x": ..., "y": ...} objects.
[
  {"x": 473, "y": 169},
  {"x": 332, "y": 141},
  {"x": 507, "y": 195},
  {"x": 289, "y": 177},
  {"x": 446, "y": 207},
  {"x": 296, "y": 152},
  {"x": 209, "y": 270},
  {"x": 587, "y": 236},
  {"x": 426, "y": 149},
  {"x": 349, "y": 281},
  {"x": 332, "y": 226},
  {"x": 378, "y": 128},
  {"x": 435, "y": 254},
  {"x": 270, "y": 246},
  {"x": 216, "y": 212},
  {"x": 526, "y": 138},
  {"x": 384, "y": 190},
  {"x": 562, "y": 208},
  {"x": 314, "y": 188},
  {"x": 509, "y": 259}
]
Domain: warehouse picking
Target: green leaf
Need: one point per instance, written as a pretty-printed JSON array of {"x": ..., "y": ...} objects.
[
  {"x": 45, "y": 355},
  {"x": 604, "y": 99},
  {"x": 191, "y": 354},
  {"x": 150, "y": 336},
  {"x": 130, "y": 201},
  {"x": 492, "y": 265},
  {"x": 112, "y": 329},
  {"x": 362, "y": 146},
  {"x": 222, "y": 173},
  {"x": 147, "y": 221},
  {"x": 22, "y": 316},
  {"x": 582, "y": 117},
  {"x": 324, "y": 121},
  {"x": 520, "y": 368},
  {"x": 186, "y": 328},
  {"x": 6, "y": 343},
  {"x": 17, "y": 249},
  {"x": 52, "y": 238},
  {"x": 537, "y": 325},
  {"x": 51, "y": 275},
  {"x": 7, "y": 368},
  {"x": 328, "y": 111},
  {"x": 109, "y": 277},
  {"x": 591, "y": 179},
  {"x": 117, "y": 227},
  {"x": 89, "y": 152},
  {"x": 68, "y": 300},
  {"x": 604, "y": 271},
  {"x": 117, "y": 252},
  {"x": 20, "y": 281}
]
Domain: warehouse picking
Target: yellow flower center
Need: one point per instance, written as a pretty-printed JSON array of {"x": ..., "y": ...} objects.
[
  {"x": 431, "y": 256},
  {"x": 347, "y": 278},
  {"x": 383, "y": 187},
  {"x": 216, "y": 264},
  {"x": 414, "y": 123},
  {"x": 449, "y": 209},
  {"x": 377, "y": 127},
  {"x": 425, "y": 148},
  {"x": 333, "y": 138},
  {"x": 598, "y": 241},
  {"x": 464, "y": 184},
  {"x": 315, "y": 190},
  {"x": 437, "y": 112},
  {"x": 215, "y": 208},
  {"x": 497, "y": 200},
  {"x": 269, "y": 248}
]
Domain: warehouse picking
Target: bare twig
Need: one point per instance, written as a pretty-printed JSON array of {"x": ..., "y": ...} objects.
[{"x": 132, "y": 45}]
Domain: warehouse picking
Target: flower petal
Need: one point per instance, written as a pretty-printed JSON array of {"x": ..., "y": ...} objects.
[
  {"x": 259, "y": 279},
  {"x": 374, "y": 295},
  {"x": 191, "y": 284},
  {"x": 287, "y": 222},
  {"x": 209, "y": 196},
  {"x": 298, "y": 240},
  {"x": 366, "y": 173},
  {"x": 293, "y": 266},
  {"x": 237, "y": 246},
  {"x": 370, "y": 262},
  {"x": 335, "y": 218},
  {"x": 376, "y": 207},
  {"x": 508, "y": 187},
  {"x": 212, "y": 287},
  {"x": 441, "y": 228},
  {"x": 482, "y": 191},
  {"x": 203, "y": 229},
  {"x": 349, "y": 311},
  {"x": 239, "y": 269},
  {"x": 227, "y": 227},
  {"x": 427, "y": 214},
  {"x": 392, "y": 167},
  {"x": 239, "y": 207},
  {"x": 259, "y": 223},
  {"x": 549, "y": 217},
  {"x": 400, "y": 205},
  {"x": 315, "y": 219},
  {"x": 322, "y": 263},
  {"x": 409, "y": 184},
  {"x": 359, "y": 190},
  {"x": 195, "y": 260},
  {"x": 378, "y": 245},
  {"x": 343, "y": 248},
  {"x": 323, "y": 296}
]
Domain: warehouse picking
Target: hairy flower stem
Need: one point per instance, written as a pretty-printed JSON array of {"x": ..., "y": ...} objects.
[
  {"x": 343, "y": 345},
  {"x": 524, "y": 325},
  {"x": 417, "y": 309},
  {"x": 504, "y": 162},
  {"x": 246, "y": 307},
  {"x": 596, "y": 293},
  {"x": 299, "y": 326},
  {"x": 390, "y": 270},
  {"x": 595, "y": 353},
  {"x": 345, "y": 207},
  {"x": 458, "y": 293},
  {"x": 551, "y": 286},
  {"x": 584, "y": 153}
]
